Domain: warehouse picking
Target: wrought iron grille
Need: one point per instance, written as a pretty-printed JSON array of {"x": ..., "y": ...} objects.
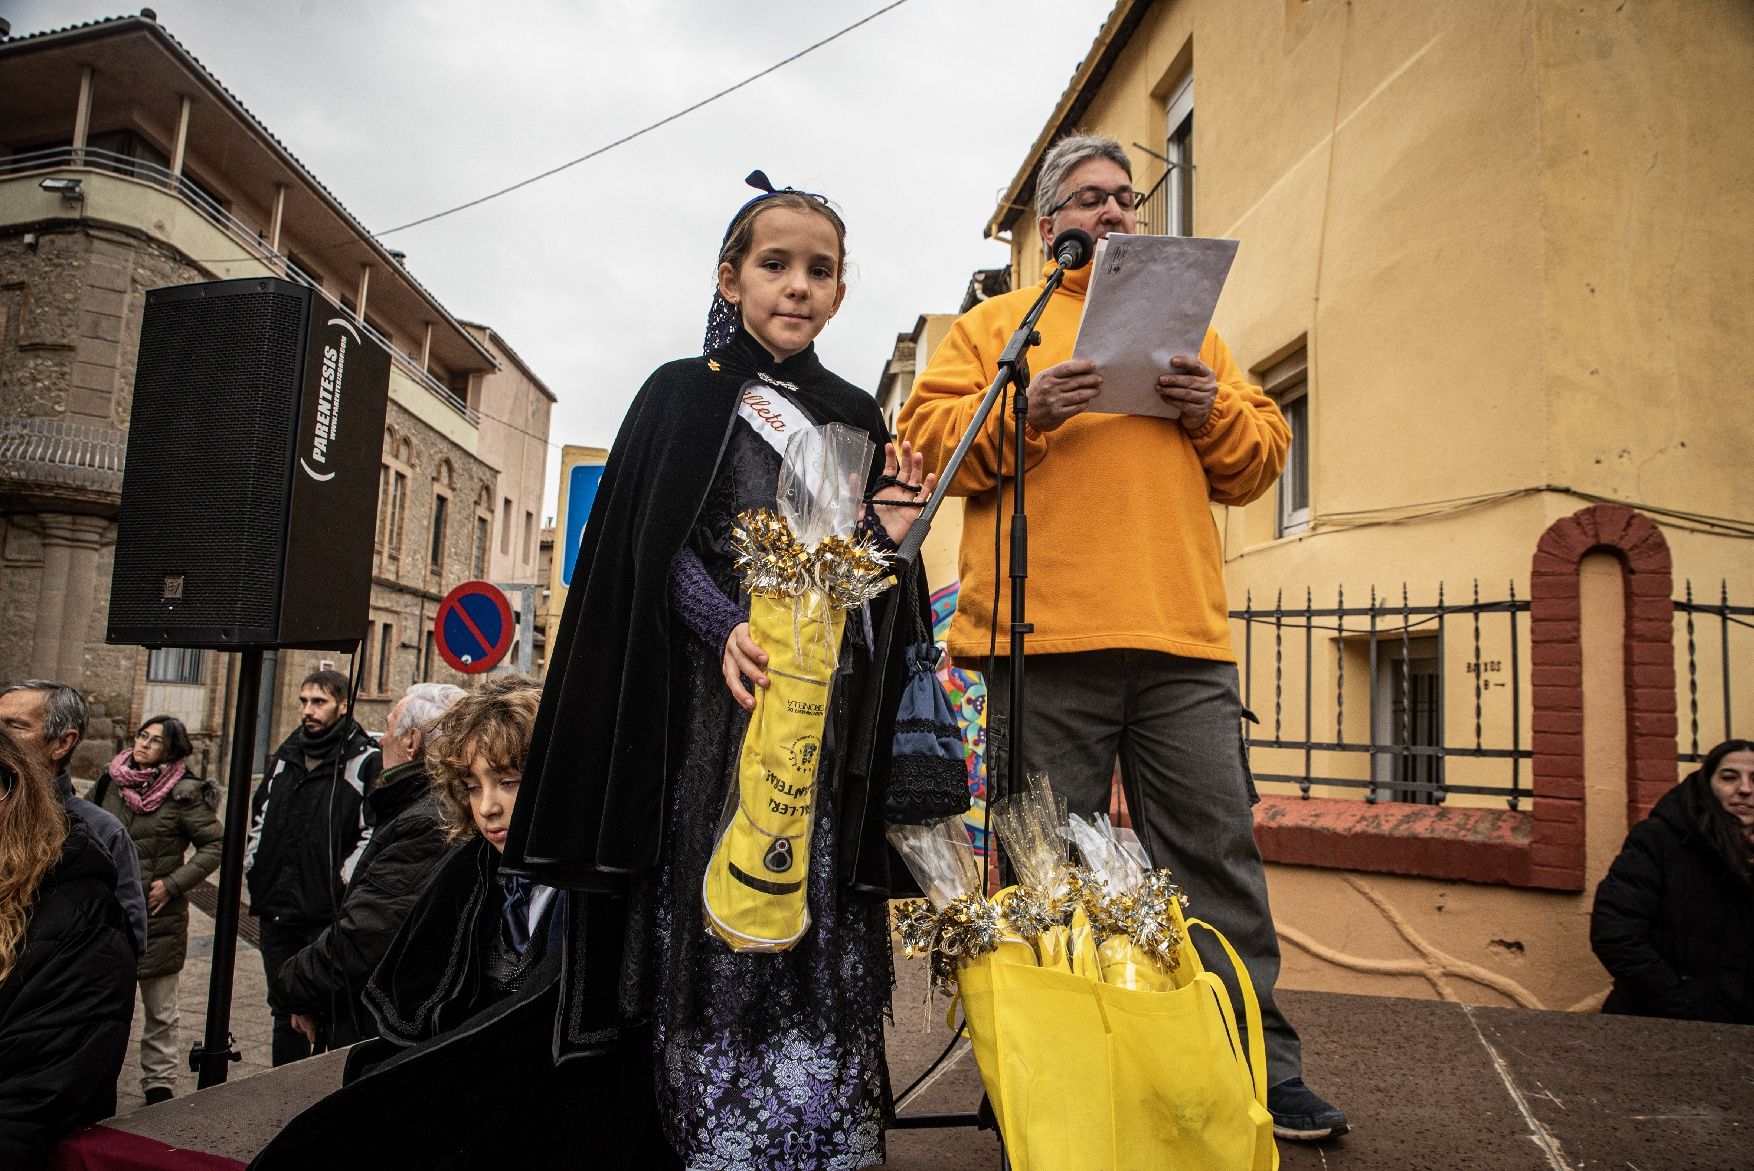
[
  {"x": 1691, "y": 615},
  {"x": 1404, "y": 649}
]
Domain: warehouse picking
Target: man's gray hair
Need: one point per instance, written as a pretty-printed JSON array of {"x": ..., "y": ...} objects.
[
  {"x": 1064, "y": 156},
  {"x": 63, "y": 707},
  {"x": 423, "y": 704}
]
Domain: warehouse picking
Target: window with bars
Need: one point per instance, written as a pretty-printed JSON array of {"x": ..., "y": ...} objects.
[{"x": 1407, "y": 710}]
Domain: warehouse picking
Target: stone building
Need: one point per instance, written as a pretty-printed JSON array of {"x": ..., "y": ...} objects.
[{"x": 125, "y": 166}]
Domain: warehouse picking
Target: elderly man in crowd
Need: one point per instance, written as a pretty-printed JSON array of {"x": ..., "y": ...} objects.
[
  {"x": 1130, "y": 654},
  {"x": 49, "y": 721},
  {"x": 320, "y": 986}
]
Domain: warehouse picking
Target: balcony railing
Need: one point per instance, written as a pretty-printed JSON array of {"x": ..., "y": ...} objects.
[
  {"x": 90, "y": 158},
  {"x": 56, "y": 451}
]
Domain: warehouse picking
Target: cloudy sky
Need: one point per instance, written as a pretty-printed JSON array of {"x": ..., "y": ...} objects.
[{"x": 912, "y": 123}]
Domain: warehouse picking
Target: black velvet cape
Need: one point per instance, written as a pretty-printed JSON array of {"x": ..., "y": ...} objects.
[{"x": 591, "y": 806}]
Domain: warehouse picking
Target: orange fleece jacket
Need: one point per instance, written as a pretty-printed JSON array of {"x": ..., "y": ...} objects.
[{"x": 1123, "y": 551}]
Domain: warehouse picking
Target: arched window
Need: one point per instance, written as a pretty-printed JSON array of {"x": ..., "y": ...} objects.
[{"x": 441, "y": 507}]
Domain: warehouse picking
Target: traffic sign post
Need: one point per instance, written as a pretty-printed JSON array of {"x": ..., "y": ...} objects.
[{"x": 473, "y": 628}]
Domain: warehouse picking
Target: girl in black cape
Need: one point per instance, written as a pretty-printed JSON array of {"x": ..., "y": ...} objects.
[{"x": 760, "y": 1060}]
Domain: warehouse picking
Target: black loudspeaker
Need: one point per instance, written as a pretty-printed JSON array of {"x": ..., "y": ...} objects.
[{"x": 250, "y": 491}]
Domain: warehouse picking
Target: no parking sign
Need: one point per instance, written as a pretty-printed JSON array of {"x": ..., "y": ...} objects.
[{"x": 474, "y": 627}]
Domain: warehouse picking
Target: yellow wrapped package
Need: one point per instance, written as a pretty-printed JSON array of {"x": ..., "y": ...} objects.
[
  {"x": 754, "y": 889},
  {"x": 803, "y": 574}
]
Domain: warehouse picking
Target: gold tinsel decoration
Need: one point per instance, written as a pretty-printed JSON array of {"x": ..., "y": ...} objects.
[
  {"x": 849, "y": 571},
  {"x": 769, "y": 557},
  {"x": 970, "y": 926},
  {"x": 1026, "y": 912}
]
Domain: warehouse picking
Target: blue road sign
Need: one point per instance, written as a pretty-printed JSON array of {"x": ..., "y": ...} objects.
[
  {"x": 473, "y": 629},
  {"x": 581, "y": 493}
]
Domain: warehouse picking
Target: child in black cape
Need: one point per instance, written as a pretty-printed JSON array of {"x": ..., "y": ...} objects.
[{"x": 760, "y": 1060}]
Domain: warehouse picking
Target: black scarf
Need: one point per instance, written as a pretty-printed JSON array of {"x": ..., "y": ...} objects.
[
  {"x": 323, "y": 743},
  {"x": 590, "y": 809}
]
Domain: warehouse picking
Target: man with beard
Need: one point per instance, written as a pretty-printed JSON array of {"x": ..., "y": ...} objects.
[
  {"x": 309, "y": 824},
  {"x": 321, "y": 985}
]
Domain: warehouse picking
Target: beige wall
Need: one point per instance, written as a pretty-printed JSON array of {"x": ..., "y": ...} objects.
[
  {"x": 1388, "y": 935},
  {"x": 939, "y": 553},
  {"x": 514, "y": 438},
  {"x": 1512, "y": 234},
  {"x": 1515, "y": 237}
]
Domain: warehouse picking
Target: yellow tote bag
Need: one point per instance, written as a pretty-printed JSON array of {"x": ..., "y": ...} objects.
[
  {"x": 1087, "y": 1076},
  {"x": 755, "y": 886},
  {"x": 1182, "y": 1093},
  {"x": 1040, "y": 1044}
]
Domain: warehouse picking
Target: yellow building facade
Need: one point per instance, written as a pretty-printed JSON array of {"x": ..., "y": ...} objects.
[{"x": 1495, "y": 264}]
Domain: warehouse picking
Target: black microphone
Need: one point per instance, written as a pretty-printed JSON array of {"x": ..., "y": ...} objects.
[{"x": 1073, "y": 248}]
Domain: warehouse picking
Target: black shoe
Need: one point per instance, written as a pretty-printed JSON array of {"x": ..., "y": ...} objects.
[
  {"x": 158, "y": 1094},
  {"x": 1301, "y": 1116}
]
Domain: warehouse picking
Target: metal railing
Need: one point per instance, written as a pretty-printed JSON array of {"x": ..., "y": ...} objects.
[
  {"x": 1691, "y": 614},
  {"x": 56, "y": 451},
  {"x": 1407, "y": 744},
  {"x": 1153, "y": 213},
  {"x": 251, "y": 239}
]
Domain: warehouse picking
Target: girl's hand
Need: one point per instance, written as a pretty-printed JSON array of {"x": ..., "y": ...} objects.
[
  {"x": 905, "y": 467},
  {"x": 743, "y": 660}
]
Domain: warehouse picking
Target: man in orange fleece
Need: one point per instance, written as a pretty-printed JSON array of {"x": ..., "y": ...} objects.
[{"x": 1130, "y": 654}]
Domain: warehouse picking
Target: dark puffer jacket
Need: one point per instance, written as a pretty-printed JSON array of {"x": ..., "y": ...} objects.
[
  {"x": 163, "y": 837},
  {"x": 1673, "y": 924},
  {"x": 326, "y": 979},
  {"x": 65, "y": 1008}
]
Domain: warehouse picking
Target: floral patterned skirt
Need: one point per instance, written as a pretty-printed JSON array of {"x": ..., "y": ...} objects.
[{"x": 763, "y": 1061}]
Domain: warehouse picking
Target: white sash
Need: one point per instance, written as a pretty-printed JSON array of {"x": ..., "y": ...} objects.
[{"x": 774, "y": 417}]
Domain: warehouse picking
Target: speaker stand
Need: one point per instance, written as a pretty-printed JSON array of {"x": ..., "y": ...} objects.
[{"x": 212, "y": 1058}]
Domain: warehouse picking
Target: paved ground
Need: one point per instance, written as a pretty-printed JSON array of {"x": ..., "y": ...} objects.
[
  {"x": 250, "y": 1022},
  {"x": 1428, "y": 1084}
]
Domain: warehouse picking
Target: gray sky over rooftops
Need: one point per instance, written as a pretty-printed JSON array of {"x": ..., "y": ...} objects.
[{"x": 912, "y": 124}]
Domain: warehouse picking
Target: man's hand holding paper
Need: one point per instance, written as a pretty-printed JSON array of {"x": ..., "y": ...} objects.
[
  {"x": 1189, "y": 391},
  {"x": 1061, "y": 391}
]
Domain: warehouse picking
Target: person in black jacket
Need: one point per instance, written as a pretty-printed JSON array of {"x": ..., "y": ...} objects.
[
  {"x": 321, "y": 985},
  {"x": 66, "y": 968},
  {"x": 466, "y": 999},
  {"x": 1674, "y": 918},
  {"x": 309, "y": 825}
]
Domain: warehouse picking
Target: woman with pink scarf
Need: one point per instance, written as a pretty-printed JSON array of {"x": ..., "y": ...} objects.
[{"x": 167, "y": 810}]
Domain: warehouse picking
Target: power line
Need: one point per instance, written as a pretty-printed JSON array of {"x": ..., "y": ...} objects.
[{"x": 626, "y": 138}]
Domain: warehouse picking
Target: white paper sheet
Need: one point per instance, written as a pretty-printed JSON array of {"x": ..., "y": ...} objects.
[{"x": 1150, "y": 298}]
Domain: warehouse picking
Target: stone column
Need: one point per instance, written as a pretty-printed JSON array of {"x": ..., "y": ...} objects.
[{"x": 69, "y": 594}]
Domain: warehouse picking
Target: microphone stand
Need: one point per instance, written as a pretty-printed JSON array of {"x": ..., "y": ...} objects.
[{"x": 1013, "y": 371}]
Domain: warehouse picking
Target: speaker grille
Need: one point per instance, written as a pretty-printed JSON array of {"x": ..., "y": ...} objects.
[{"x": 204, "y": 498}]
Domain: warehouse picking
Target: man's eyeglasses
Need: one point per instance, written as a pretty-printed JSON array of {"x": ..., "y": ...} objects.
[
  {"x": 8, "y": 782},
  {"x": 1091, "y": 198}
]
